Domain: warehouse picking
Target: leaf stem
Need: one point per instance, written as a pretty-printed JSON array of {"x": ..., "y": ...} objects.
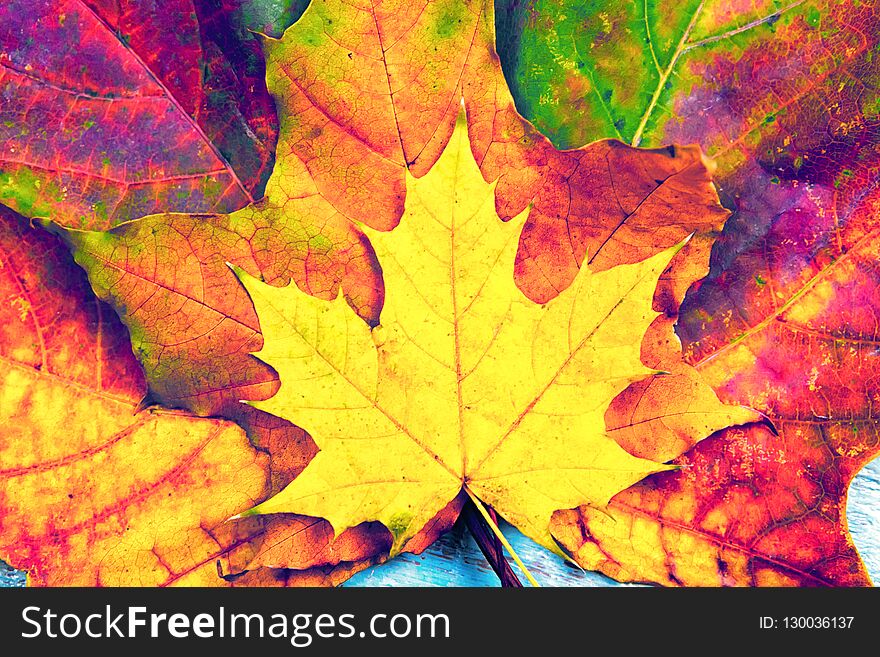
[
  {"x": 489, "y": 545},
  {"x": 501, "y": 537}
]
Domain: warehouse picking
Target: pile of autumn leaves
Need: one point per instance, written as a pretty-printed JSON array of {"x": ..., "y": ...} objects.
[{"x": 474, "y": 317}]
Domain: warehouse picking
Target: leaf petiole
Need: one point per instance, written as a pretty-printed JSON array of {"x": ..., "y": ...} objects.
[{"x": 501, "y": 537}]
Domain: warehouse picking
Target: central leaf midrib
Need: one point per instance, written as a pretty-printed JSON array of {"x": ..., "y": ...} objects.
[
  {"x": 455, "y": 320},
  {"x": 388, "y": 81}
]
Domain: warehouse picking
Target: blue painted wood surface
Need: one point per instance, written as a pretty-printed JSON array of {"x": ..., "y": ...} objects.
[{"x": 455, "y": 560}]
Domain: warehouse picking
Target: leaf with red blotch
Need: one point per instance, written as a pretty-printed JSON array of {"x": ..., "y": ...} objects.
[
  {"x": 786, "y": 323},
  {"x": 782, "y": 316},
  {"x": 108, "y": 115},
  {"x": 785, "y": 100}
]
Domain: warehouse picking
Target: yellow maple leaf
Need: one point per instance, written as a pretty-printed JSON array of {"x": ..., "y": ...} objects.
[{"x": 466, "y": 383}]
